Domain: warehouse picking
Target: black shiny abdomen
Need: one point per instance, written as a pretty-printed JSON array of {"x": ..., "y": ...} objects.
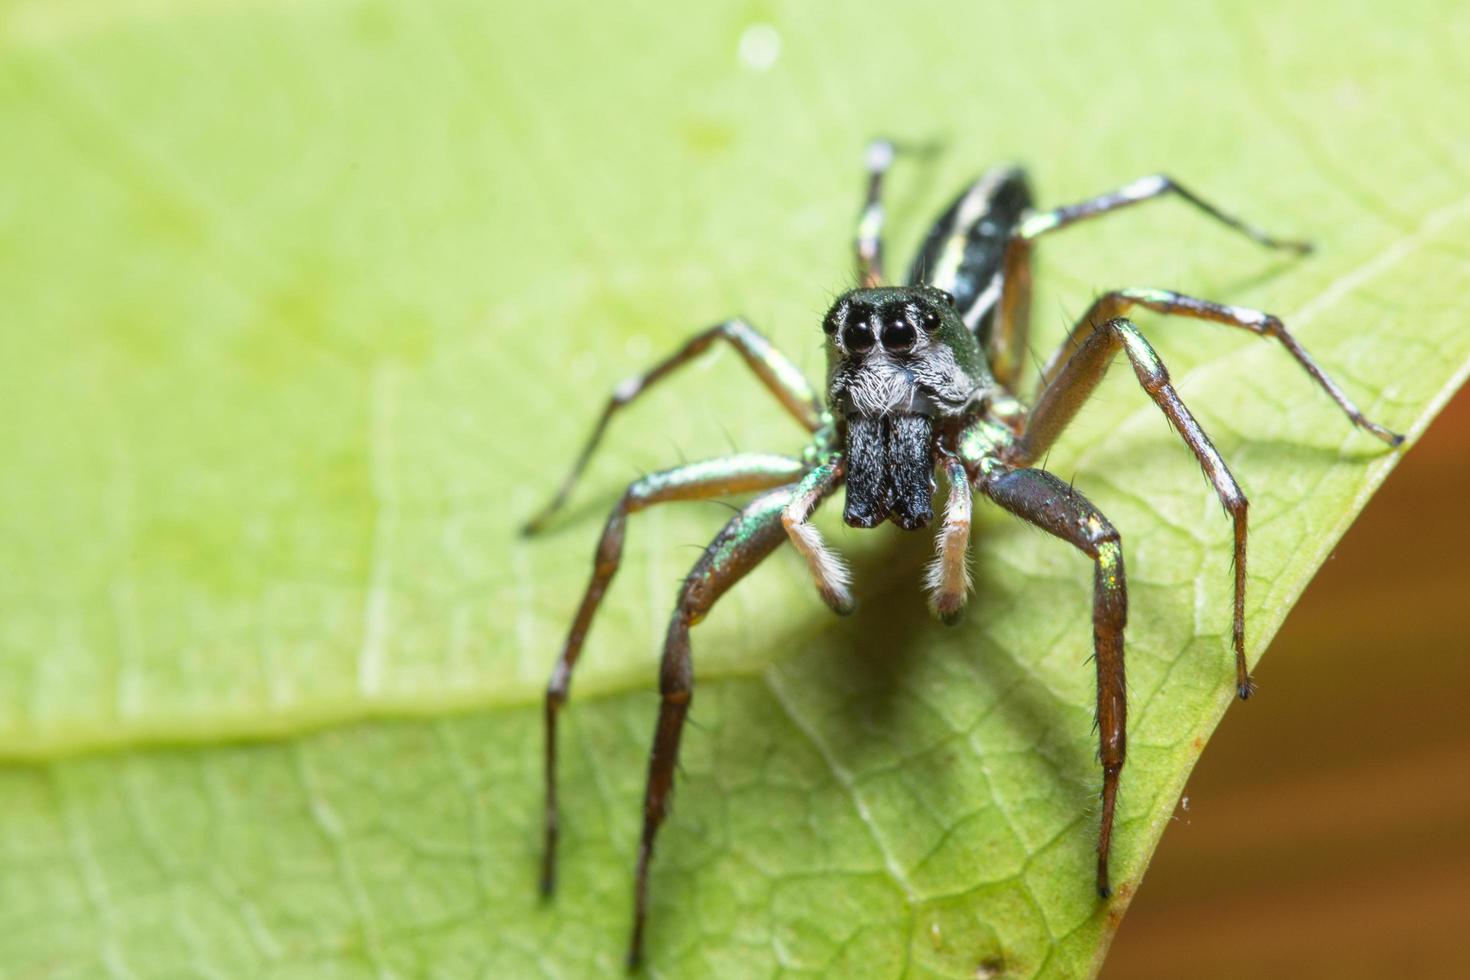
[{"x": 997, "y": 202}]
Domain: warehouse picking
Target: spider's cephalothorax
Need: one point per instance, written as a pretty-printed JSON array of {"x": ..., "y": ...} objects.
[
  {"x": 924, "y": 378},
  {"x": 900, "y": 362}
]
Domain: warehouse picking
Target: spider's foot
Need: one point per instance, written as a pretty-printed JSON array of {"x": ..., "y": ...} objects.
[
  {"x": 548, "y": 875},
  {"x": 1246, "y": 688},
  {"x": 948, "y": 608},
  {"x": 841, "y": 602}
]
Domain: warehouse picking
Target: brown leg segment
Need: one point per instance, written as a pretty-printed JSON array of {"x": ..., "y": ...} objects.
[
  {"x": 1115, "y": 304},
  {"x": 697, "y": 481},
  {"x": 751, "y": 536},
  {"x": 1013, "y": 319},
  {"x": 1040, "y": 498},
  {"x": 775, "y": 371},
  {"x": 1064, "y": 395}
]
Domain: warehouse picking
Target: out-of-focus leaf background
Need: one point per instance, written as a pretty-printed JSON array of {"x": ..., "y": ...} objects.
[{"x": 307, "y": 303}]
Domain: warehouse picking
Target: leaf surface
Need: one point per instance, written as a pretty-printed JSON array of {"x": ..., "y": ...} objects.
[{"x": 308, "y": 304}]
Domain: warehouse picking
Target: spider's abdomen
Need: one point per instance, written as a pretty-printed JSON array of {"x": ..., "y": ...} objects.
[{"x": 962, "y": 253}]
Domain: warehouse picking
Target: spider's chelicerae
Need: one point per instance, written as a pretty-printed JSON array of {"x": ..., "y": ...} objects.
[{"x": 921, "y": 378}]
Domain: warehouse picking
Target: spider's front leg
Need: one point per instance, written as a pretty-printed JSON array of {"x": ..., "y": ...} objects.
[
  {"x": 780, "y": 377},
  {"x": 1041, "y": 499},
  {"x": 695, "y": 481},
  {"x": 749, "y": 537},
  {"x": 1072, "y": 376}
]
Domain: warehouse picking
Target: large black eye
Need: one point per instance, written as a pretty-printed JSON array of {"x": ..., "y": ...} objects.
[
  {"x": 930, "y": 318},
  {"x": 898, "y": 333},
  {"x": 857, "y": 331},
  {"x": 857, "y": 336}
]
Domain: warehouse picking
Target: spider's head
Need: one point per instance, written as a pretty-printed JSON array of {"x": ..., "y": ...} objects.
[{"x": 899, "y": 359}]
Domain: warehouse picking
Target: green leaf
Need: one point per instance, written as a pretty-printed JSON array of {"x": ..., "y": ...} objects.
[{"x": 306, "y": 305}]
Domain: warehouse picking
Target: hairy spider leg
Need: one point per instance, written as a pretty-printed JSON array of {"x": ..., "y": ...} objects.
[
  {"x": 948, "y": 579},
  {"x": 828, "y": 570},
  {"x": 780, "y": 376},
  {"x": 743, "y": 543},
  {"x": 1117, "y": 303},
  {"x": 696, "y": 481},
  {"x": 1041, "y": 499},
  {"x": 1013, "y": 316},
  {"x": 868, "y": 245},
  {"x": 1064, "y": 395}
]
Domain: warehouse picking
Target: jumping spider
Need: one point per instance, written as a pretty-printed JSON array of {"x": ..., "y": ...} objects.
[{"x": 923, "y": 377}]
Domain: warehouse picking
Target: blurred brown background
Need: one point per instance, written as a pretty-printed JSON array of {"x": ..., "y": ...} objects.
[{"x": 1326, "y": 831}]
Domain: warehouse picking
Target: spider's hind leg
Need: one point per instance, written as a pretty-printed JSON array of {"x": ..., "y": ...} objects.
[
  {"x": 1013, "y": 311},
  {"x": 868, "y": 242}
]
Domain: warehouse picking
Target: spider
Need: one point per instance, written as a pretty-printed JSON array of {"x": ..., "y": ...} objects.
[{"x": 923, "y": 378}]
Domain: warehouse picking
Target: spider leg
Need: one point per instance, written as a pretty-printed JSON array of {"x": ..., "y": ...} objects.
[
  {"x": 948, "y": 580},
  {"x": 1013, "y": 317},
  {"x": 868, "y": 245},
  {"x": 743, "y": 543},
  {"x": 828, "y": 570},
  {"x": 697, "y": 481},
  {"x": 1115, "y": 304},
  {"x": 1063, "y": 396},
  {"x": 1146, "y": 189},
  {"x": 1041, "y": 499},
  {"x": 780, "y": 376}
]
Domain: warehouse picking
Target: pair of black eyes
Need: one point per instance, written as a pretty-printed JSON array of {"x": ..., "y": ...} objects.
[{"x": 895, "y": 326}]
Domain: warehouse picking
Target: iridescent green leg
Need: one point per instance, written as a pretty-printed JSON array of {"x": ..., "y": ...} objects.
[
  {"x": 1117, "y": 303},
  {"x": 1013, "y": 319},
  {"x": 697, "y": 481},
  {"x": 775, "y": 371},
  {"x": 752, "y": 535},
  {"x": 1064, "y": 395},
  {"x": 1039, "y": 498}
]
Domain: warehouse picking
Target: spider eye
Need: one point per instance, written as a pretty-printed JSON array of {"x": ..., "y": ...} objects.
[
  {"x": 898, "y": 333},
  {"x": 858, "y": 336},
  {"x": 930, "y": 318},
  {"x": 829, "y": 322},
  {"x": 947, "y": 297}
]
